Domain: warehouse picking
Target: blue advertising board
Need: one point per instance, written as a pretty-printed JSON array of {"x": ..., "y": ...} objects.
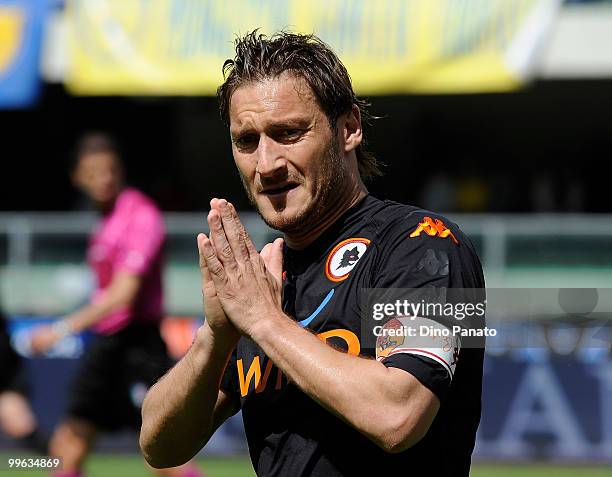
[
  {"x": 538, "y": 403},
  {"x": 547, "y": 407}
]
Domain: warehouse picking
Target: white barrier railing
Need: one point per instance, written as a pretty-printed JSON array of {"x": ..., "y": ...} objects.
[{"x": 34, "y": 282}]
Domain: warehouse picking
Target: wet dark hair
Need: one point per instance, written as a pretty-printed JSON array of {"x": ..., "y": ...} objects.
[
  {"x": 94, "y": 143},
  {"x": 259, "y": 57}
]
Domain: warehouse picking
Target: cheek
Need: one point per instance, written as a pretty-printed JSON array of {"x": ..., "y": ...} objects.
[
  {"x": 246, "y": 166},
  {"x": 313, "y": 169},
  {"x": 89, "y": 184},
  {"x": 305, "y": 156}
]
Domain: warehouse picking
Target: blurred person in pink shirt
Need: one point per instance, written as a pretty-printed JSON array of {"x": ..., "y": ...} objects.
[{"x": 128, "y": 354}]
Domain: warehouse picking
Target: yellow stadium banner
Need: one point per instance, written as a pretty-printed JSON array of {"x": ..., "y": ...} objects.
[{"x": 177, "y": 47}]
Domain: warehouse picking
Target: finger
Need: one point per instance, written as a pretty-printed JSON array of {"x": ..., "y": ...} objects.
[
  {"x": 201, "y": 259},
  {"x": 221, "y": 246},
  {"x": 213, "y": 264},
  {"x": 213, "y": 205},
  {"x": 275, "y": 261},
  {"x": 234, "y": 231},
  {"x": 208, "y": 288},
  {"x": 244, "y": 234},
  {"x": 225, "y": 247}
]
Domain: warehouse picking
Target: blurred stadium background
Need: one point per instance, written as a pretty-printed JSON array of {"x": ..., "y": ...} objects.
[{"x": 496, "y": 112}]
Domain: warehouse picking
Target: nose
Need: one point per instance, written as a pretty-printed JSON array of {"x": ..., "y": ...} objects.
[
  {"x": 270, "y": 158},
  {"x": 106, "y": 178}
]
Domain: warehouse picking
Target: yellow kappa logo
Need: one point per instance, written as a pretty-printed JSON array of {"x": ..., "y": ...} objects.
[{"x": 434, "y": 227}]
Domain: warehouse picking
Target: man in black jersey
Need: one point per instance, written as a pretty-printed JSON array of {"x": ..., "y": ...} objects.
[{"x": 315, "y": 401}]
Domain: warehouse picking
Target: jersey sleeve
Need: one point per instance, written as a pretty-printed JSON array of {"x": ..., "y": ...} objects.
[
  {"x": 419, "y": 252},
  {"x": 430, "y": 359},
  {"x": 142, "y": 242}
]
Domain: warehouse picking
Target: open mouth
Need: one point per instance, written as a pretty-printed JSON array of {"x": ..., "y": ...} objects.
[{"x": 272, "y": 191}]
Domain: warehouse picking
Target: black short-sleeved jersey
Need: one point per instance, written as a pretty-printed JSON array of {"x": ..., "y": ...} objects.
[{"x": 375, "y": 244}]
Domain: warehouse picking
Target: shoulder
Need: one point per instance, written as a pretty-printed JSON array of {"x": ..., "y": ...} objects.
[
  {"x": 135, "y": 203},
  {"x": 133, "y": 198},
  {"x": 414, "y": 245},
  {"x": 412, "y": 226},
  {"x": 141, "y": 216}
]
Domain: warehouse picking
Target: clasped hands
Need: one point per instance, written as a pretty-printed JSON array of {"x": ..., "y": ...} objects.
[{"x": 241, "y": 287}]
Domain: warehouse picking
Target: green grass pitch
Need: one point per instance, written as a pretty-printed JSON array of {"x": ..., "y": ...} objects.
[{"x": 101, "y": 465}]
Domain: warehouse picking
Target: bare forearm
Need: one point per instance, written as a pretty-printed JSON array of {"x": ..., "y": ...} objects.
[
  {"x": 178, "y": 411},
  {"x": 121, "y": 293},
  {"x": 89, "y": 315},
  {"x": 355, "y": 389}
]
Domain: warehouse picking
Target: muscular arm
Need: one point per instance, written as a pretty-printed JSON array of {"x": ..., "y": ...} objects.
[
  {"x": 388, "y": 405},
  {"x": 186, "y": 406},
  {"x": 182, "y": 411}
]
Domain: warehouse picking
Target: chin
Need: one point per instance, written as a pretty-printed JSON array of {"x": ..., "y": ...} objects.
[{"x": 285, "y": 219}]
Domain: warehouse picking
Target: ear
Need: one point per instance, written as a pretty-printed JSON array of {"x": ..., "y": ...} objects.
[{"x": 351, "y": 128}]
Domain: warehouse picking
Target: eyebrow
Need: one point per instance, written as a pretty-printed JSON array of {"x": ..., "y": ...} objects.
[
  {"x": 292, "y": 122},
  {"x": 299, "y": 123}
]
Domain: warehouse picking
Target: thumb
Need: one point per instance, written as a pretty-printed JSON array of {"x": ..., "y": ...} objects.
[{"x": 274, "y": 264}]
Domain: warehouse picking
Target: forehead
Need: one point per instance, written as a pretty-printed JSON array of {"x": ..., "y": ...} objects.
[
  {"x": 272, "y": 100},
  {"x": 95, "y": 160}
]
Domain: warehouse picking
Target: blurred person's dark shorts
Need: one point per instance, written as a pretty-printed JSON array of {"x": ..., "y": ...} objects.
[
  {"x": 115, "y": 373},
  {"x": 12, "y": 372}
]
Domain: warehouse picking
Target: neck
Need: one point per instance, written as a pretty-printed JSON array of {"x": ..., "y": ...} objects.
[
  {"x": 106, "y": 208},
  {"x": 302, "y": 239}
]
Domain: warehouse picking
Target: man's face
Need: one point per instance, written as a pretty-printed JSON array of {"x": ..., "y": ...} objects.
[
  {"x": 99, "y": 175},
  {"x": 288, "y": 157}
]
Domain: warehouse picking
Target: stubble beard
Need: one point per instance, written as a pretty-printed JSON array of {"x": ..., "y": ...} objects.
[{"x": 334, "y": 177}]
